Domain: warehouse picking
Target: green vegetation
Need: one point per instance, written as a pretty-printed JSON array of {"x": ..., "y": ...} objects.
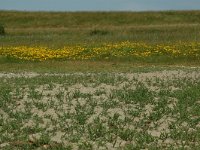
[
  {"x": 100, "y": 104},
  {"x": 88, "y": 19},
  {"x": 152, "y": 110},
  {"x": 57, "y": 29},
  {"x": 2, "y": 30}
]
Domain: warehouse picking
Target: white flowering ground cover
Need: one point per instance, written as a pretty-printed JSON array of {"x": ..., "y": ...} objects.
[{"x": 137, "y": 110}]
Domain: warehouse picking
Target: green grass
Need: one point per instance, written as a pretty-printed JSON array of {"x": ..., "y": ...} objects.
[
  {"x": 153, "y": 110},
  {"x": 87, "y": 19},
  {"x": 113, "y": 104},
  {"x": 90, "y": 66},
  {"x": 56, "y": 29}
]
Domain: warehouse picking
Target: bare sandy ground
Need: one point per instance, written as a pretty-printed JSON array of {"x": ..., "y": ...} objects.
[{"x": 61, "y": 99}]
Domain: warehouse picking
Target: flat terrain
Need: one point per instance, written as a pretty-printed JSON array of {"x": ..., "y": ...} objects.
[
  {"x": 90, "y": 30},
  {"x": 60, "y": 29},
  {"x": 151, "y": 109},
  {"x": 100, "y": 80}
]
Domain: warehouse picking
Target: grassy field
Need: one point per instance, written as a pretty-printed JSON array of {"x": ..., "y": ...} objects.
[
  {"x": 90, "y": 30},
  {"x": 100, "y": 80},
  {"x": 60, "y": 29}
]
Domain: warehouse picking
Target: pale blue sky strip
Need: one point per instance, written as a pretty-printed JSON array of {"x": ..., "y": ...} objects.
[{"x": 99, "y": 5}]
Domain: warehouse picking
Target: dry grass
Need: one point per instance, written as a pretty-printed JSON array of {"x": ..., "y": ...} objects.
[{"x": 56, "y": 29}]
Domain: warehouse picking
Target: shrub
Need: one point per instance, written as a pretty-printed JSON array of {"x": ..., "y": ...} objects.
[
  {"x": 2, "y": 30},
  {"x": 99, "y": 32}
]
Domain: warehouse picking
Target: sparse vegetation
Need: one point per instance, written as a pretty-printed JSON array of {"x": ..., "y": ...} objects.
[{"x": 133, "y": 112}]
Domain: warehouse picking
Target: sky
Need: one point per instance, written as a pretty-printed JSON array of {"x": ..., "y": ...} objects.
[{"x": 99, "y": 5}]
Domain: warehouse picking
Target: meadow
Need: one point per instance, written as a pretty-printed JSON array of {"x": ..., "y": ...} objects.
[
  {"x": 100, "y": 80},
  {"x": 60, "y": 29},
  {"x": 170, "y": 37}
]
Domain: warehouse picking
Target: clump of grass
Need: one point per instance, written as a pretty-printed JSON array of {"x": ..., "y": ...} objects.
[
  {"x": 98, "y": 32},
  {"x": 2, "y": 30}
]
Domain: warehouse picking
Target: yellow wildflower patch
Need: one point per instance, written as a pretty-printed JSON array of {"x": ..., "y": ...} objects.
[{"x": 105, "y": 51}]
